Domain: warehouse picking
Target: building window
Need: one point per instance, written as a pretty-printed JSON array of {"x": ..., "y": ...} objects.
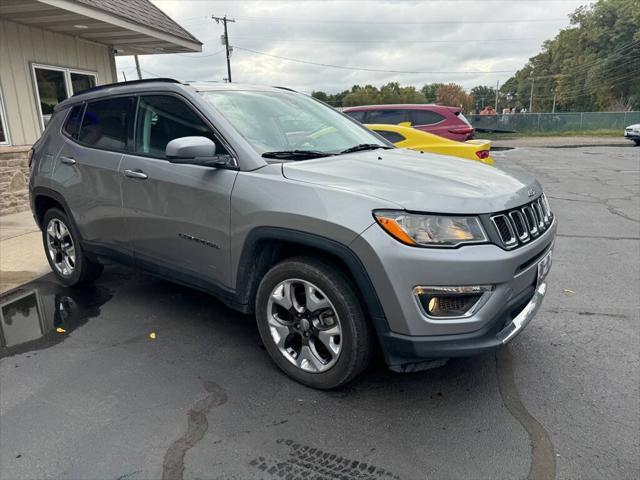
[
  {"x": 55, "y": 84},
  {"x": 4, "y": 133}
]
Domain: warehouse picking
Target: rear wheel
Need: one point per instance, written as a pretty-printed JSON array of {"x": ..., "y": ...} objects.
[
  {"x": 312, "y": 324},
  {"x": 637, "y": 143},
  {"x": 64, "y": 252}
]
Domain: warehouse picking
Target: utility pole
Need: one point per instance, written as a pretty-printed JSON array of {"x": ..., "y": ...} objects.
[
  {"x": 224, "y": 21},
  {"x": 138, "y": 67},
  {"x": 531, "y": 94},
  {"x": 553, "y": 109},
  {"x": 497, "y": 87}
]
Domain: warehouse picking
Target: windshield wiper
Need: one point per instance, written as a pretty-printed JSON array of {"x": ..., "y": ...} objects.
[
  {"x": 364, "y": 146},
  {"x": 296, "y": 154}
]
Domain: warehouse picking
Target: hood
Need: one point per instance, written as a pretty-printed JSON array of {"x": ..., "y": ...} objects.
[{"x": 419, "y": 182}]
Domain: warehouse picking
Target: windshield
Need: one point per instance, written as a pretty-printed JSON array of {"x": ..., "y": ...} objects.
[{"x": 287, "y": 122}]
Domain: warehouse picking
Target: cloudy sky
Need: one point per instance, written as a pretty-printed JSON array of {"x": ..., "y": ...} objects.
[{"x": 412, "y": 42}]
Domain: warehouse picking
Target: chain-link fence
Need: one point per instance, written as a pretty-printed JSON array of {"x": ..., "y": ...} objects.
[{"x": 554, "y": 122}]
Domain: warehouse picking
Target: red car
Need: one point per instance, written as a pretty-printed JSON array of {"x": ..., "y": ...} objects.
[{"x": 448, "y": 122}]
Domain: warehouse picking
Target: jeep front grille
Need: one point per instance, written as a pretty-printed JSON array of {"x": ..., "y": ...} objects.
[{"x": 520, "y": 225}]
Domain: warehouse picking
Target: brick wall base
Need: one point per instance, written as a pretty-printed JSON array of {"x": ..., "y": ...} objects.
[{"x": 14, "y": 179}]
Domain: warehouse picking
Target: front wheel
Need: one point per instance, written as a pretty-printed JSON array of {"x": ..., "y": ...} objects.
[
  {"x": 312, "y": 323},
  {"x": 64, "y": 252},
  {"x": 637, "y": 143}
]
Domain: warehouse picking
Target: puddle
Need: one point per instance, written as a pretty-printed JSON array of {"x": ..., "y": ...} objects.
[{"x": 43, "y": 313}]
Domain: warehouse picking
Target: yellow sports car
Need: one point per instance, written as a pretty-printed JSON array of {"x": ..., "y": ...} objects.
[{"x": 403, "y": 136}]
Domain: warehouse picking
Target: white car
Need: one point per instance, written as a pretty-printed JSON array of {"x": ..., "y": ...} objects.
[{"x": 632, "y": 132}]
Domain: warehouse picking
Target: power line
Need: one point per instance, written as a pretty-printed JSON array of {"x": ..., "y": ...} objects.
[
  {"x": 370, "y": 22},
  {"x": 367, "y": 69},
  {"x": 406, "y": 42},
  {"x": 201, "y": 56}
]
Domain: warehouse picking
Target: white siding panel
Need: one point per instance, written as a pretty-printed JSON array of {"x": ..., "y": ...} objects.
[{"x": 20, "y": 46}]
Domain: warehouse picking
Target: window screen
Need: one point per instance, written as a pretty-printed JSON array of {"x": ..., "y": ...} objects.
[
  {"x": 392, "y": 117},
  {"x": 426, "y": 117},
  {"x": 392, "y": 137},
  {"x": 162, "y": 118},
  {"x": 357, "y": 115},
  {"x": 106, "y": 123},
  {"x": 72, "y": 125}
]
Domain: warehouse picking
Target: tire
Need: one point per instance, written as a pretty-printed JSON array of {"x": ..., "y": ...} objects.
[
  {"x": 637, "y": 143},
  {"x": 330, "y": 303},
  {"x": 64, "y": 251}
]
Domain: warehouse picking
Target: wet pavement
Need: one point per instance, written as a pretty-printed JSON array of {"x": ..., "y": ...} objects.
[{"x": 138, "y": 378}]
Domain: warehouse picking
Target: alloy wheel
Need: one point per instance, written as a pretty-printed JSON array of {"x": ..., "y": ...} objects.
[
  {"x": 60, "y": 247},
  {"x": 304, "y": 325}
]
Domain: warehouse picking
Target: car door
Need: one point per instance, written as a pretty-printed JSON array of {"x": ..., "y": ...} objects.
[
  {"x": 87, "y": 169},
  {"x": 177, "y": 216}
]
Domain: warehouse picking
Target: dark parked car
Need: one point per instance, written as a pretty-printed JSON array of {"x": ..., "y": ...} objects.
[{"x": 448, "y": 122}]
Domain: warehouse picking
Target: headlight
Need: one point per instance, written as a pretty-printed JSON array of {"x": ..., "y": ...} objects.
[{"x": 430, "y": 230}]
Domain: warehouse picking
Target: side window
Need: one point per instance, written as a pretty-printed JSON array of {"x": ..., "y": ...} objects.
[
  {"x": 357, "y": 115},
  {"x": 426, "y": 117},
  {"x": 390, "y": 117},
  {"x": 106, "y": 123},
  {"x": 162, "y": 118},
  {"x": 72, "y": 125},
  {"x": 392, "y": 137}
]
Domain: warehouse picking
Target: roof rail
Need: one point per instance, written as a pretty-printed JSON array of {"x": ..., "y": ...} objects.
[
  {"x": 285, "y": 88},
  {"x": 130, "y": 82}
]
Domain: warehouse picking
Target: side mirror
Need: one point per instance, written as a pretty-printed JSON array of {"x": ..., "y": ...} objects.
[
  {"x": 404, "y": 124},
  {"x": 194, "y": 151}
]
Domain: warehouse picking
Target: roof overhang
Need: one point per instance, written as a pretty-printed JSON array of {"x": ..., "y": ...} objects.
[{"x": 124, "y": 36}]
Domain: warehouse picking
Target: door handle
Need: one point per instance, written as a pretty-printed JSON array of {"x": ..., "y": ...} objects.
[
  {"x": 136, "y": 174},
  {"x": 68, "y": 160}
]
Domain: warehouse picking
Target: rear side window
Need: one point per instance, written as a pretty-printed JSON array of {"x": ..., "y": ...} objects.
[
  {"x": 357, "y": 115},
  {"x": 162, "y": 118},
  {"x": 392, "y": 137},
  {"x": 392, "y": 117},
  {"x": 72, "y": 125},
  {"x": 106, "y": 123},
  {"x": 426, "y": 117}
]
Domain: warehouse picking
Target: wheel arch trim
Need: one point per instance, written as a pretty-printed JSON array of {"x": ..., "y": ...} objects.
[{"x": 253, "y": 252}]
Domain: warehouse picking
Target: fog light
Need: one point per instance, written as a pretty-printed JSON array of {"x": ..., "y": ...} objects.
[
  {"x": 433, "y": 305},
  {"x": 452, "y": 302}
]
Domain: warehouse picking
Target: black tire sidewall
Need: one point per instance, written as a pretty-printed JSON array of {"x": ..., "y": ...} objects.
[
  {"x": 76, "y": 276},
  {"x": 355, "y": 335}
]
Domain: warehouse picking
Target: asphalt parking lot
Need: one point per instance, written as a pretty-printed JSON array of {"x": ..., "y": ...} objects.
[{"x": 102, "y": 399}]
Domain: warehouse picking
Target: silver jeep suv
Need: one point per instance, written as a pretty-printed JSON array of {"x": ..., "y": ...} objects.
[{"x": 287, "y": 209}]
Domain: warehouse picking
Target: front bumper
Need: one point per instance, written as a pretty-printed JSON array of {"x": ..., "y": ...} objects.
[
  {"x": 632, "y": 134},
  {"x": 413, "y": 338},
  {"x": 409, "y": 353}
]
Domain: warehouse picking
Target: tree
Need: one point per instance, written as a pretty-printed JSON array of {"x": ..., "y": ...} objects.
[
  {"x": 430, "y": 91},
  {"x": 592, "y": 65},
  {"x": 483, "y": 95},
  {"x": 454, "y": 95}
]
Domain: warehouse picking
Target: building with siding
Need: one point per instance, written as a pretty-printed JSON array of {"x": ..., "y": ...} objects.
[{"x": 52, "y": 49}]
